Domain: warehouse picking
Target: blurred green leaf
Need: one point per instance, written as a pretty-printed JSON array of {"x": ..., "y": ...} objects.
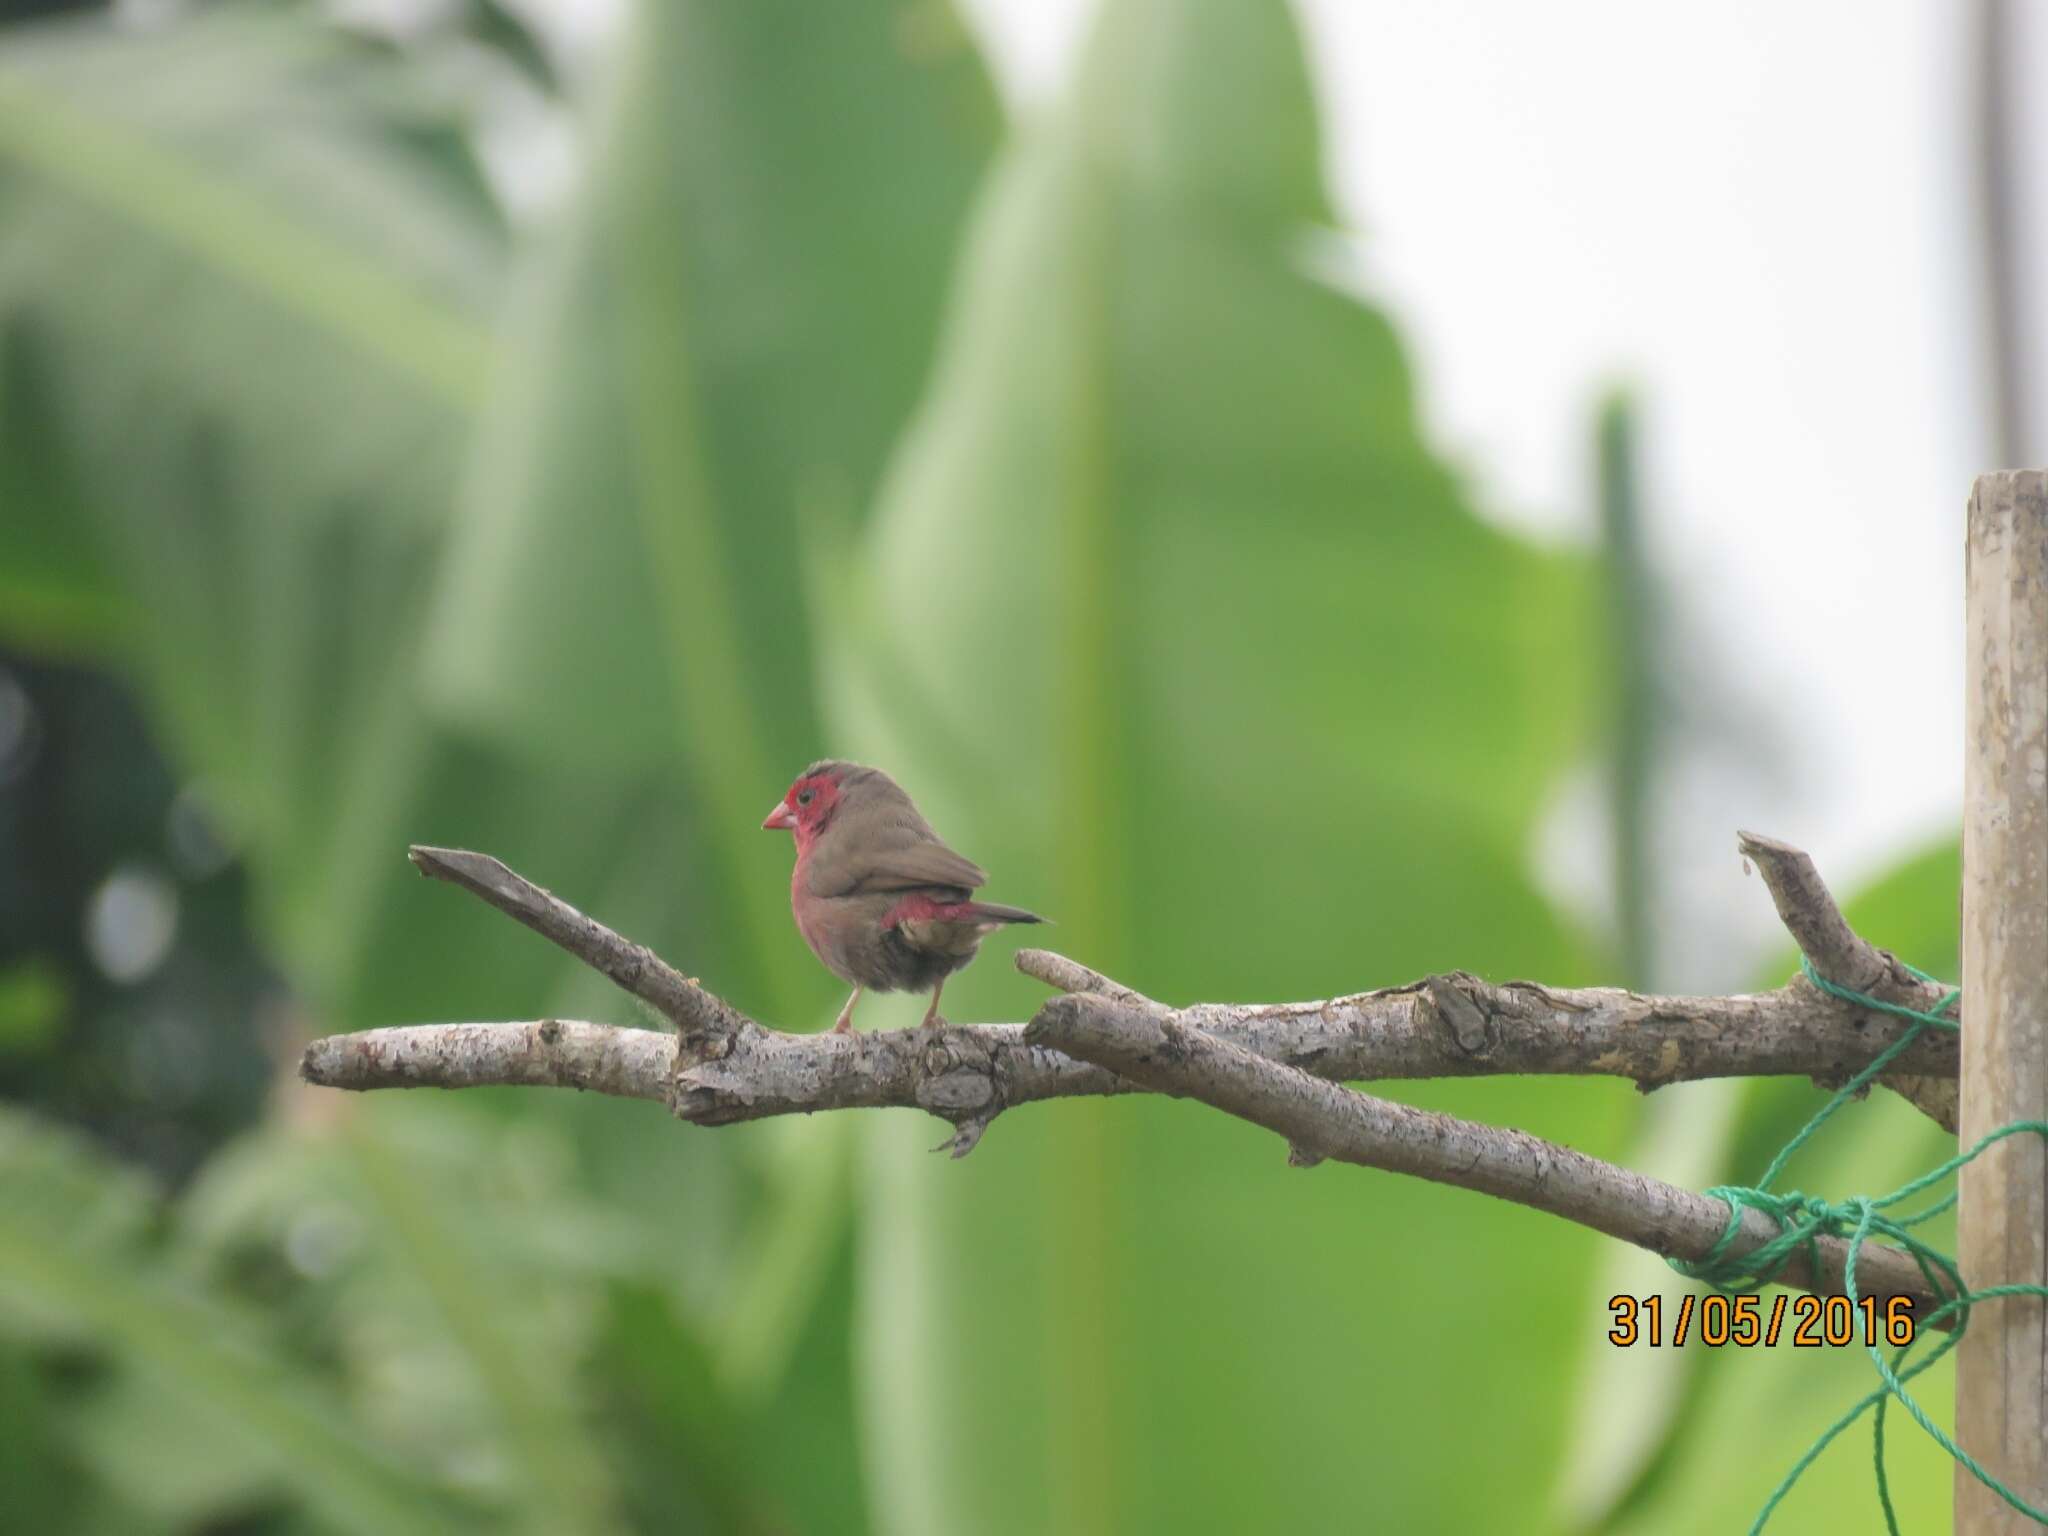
[
  {"x": 244, "y": 324},
  {"x": 1915, "y": 909},
  {"x": 729, "y": 332},
  {"x": 33, "y": 998},
  {"x": 242, "y": 248},
  {"x": 1170, "y": 619},
  {"x": 504, "y": 28},
  {"x": 695, "y": 1453},
  {"x": 56, "y": 596},
  {"x": 506, "y": 1341},
  {"x": 71, "y": 1268},
  {"x": 247, "y": 252},
  {"x": 42, "y": 1483},
  {"x": 140, "y": 1442},
  {"x": 494, "y": 1303},
  {"x": 312, "y": 226},
  {"x": 721, "y": 342},
  {"x": 691, "y": 1466},
  {"x": 459, "y": 1271},
  {"x": 718, "y": 346}
]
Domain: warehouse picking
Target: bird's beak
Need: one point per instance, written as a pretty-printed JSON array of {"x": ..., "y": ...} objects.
[{"x": 779, "y": 818}]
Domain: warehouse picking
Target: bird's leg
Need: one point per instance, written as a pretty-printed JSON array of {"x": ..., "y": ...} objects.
[
  {"x": 845, "y": 1024},
  {"x": 931, "y": 1014}
]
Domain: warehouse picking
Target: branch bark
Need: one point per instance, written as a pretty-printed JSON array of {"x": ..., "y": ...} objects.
[
  {"x": 1276, "y": 1064},
  {"x": 1451, "y": 1025}
]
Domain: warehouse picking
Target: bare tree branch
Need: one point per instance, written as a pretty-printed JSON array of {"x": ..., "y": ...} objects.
[
  {"x": 1277, "y": 1065},
  {"x": 730, "y": 1068},
  {"x": 1320, "y": 1119},
  {"x": 1443, "y": 1026}
]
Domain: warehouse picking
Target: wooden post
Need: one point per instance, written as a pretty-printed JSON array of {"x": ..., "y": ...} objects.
[{"x": 2002, "y": 1222}]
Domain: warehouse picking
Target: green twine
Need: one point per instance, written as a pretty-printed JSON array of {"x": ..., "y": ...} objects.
[{"x": 1804, "y": 1219}]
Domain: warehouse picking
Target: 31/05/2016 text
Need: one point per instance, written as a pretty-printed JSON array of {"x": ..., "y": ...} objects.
[{"x": 1745, "y": 1321}]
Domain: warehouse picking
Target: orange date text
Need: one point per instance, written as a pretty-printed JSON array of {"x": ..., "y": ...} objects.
[{"x": 1806, "y": 1322}]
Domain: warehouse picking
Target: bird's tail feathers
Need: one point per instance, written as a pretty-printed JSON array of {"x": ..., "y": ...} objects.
[{"x": 996, "y": 912}]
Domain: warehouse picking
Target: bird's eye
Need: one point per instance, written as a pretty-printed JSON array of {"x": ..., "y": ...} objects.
[{"x": 803, "y": 797}]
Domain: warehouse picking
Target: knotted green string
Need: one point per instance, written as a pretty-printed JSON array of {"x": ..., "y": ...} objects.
[{"x": 1804, "y": 1219}]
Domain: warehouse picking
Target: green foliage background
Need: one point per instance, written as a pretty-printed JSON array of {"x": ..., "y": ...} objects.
[{"x": 833, "y": 413}]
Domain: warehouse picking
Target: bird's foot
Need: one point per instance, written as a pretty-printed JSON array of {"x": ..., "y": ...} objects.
[
  {"x": 844, "y": 1026},
  {"x": 934, "y": 1020}
]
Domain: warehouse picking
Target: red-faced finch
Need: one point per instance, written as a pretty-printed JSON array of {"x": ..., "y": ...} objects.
[{"x": 880, "y": 900}]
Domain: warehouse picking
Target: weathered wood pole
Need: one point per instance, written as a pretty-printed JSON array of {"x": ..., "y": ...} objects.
[{"x": 2002, "y": 1223}]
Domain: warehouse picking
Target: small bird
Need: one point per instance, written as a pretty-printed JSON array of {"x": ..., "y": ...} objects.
[{"x": 880, "y": 900}]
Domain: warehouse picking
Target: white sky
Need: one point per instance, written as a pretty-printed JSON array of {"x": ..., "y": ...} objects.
[{"x": 1759, "y": 214}]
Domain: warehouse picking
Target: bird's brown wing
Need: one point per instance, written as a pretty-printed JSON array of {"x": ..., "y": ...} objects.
[{"x": 901, "y": 865}]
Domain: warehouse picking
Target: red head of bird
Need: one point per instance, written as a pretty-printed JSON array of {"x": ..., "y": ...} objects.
[{"x": 808, "y": 805}]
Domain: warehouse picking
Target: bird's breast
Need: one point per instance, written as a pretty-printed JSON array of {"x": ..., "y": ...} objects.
[{"x": 802, "y": 905}]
